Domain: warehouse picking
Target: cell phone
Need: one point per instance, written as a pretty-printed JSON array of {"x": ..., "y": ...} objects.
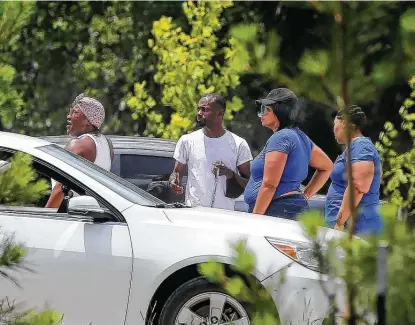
[{"x": 216, "y": 164}]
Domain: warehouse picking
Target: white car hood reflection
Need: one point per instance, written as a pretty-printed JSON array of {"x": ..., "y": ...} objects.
[{"x": 242, "y": 223}]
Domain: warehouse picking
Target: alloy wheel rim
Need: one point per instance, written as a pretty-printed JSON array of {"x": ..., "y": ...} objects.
[{"x": 212, "y": 308}]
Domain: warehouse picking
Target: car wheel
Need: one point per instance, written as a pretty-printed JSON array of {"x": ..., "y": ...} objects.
[{"x": 200, "y": 302}]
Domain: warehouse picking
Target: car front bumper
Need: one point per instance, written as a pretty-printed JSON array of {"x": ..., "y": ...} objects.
[{"x": 301, "y": 295}]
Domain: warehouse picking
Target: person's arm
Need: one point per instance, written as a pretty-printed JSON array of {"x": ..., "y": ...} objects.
[
  {"x": 84, "y": 147},
  {"x": 180, "y": 155},
  {"x": 274, "y": 166},
  {"x": 362, "y": 173},
  {"x": 235, "y": 184},
  {"x": 56, "y": 197},
  {"x": 233, "y": 178},
  {"x": 244, "y": 165},
  {"x": 175, "y": 178},
  {"x": 244, "y": 174},
  {"x": 323, "y": 166}
]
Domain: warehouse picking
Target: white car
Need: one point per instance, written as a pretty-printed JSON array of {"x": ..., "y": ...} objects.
[{"x": 117, "y": 255}]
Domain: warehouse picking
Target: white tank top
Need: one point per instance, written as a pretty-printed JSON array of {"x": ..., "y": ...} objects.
[
  {"x": 102, "y": 150},
  {"x": 102, "y": 153}
]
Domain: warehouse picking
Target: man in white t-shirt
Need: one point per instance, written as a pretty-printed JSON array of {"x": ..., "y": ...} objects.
[{"x": 218, "y": 161}]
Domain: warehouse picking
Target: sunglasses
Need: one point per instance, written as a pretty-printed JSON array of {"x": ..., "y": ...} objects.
[{"x": 264, "y": 110}]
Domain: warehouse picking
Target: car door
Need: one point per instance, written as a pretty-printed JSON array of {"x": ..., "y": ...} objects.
[{"x": 80, "y": 268}]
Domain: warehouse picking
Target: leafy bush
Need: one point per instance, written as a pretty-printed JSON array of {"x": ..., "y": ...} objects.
[
  {"x": 18, "y": 185},
  {"x": 398, "y": 163},
  {"x": 187, "y": 69}
]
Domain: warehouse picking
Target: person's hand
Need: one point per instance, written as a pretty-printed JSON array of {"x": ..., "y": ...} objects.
[
  {"x": 174, "y": 183},
  {"x": 221, "y": 170},
  {"x": 338, "y": 226},
  {"x": 307, "y": 193}
]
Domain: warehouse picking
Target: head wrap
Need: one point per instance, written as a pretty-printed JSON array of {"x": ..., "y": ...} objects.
[{"x": 91, "y": 108}]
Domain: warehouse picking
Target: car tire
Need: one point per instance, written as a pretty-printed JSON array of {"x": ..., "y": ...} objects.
[{"x": 189, "y": 305}]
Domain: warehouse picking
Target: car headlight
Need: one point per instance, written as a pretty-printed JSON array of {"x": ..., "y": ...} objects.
[{"x": 301, "y": 252}]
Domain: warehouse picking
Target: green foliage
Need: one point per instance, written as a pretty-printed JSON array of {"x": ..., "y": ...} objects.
[
  {"x": 398, "y": 163},
  {"x": 187, "y": 69},
  {"x": 335, "y": 67},
  {"x": 9, "y": 316},
  {"x": 46, "y": 317},
  {"x": 312, "y": 221},
  {"x": 11, "y": 257},
  {"x": 13, "y": 15},
  {"x": 11, "y": 102},
  {"x": 257, "y": 49},
  {"x": 18, "y": 184},
  {"x": 242, "y": 284},
  {"x": 358, "y": 268}
]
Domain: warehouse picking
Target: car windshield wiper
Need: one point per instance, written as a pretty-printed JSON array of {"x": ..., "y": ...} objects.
[{"x": 177, "y": 205}]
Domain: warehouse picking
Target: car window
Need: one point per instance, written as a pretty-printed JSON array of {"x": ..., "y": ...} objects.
[
  {"x": 132, "y": 166},
  {"x": 106, "y": 178},
  {"x": 33, "y": 205}
]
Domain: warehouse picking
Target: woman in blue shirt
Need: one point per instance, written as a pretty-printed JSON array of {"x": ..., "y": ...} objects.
[
  {"x": 278, "y": 171},
  {"x": 366, "y": 172}
]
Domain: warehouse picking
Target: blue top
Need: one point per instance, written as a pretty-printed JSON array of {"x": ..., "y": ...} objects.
[
  {"x": 361, "y": 149},
  {"x": 298, "y": 146}
]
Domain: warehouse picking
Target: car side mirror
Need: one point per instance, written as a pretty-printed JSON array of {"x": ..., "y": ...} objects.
[{"x": 88, "y": 207}]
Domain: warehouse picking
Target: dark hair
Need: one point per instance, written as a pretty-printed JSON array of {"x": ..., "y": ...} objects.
[
  {"x": 217, "y": 99},
  {"x": 356, "y": 116},
  {"x": 289, "y": 112}
]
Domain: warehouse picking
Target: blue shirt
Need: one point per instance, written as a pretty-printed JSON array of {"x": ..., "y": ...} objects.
[
  {"x": 361, "y": 149},
  {"x": 298, "y": 147}
]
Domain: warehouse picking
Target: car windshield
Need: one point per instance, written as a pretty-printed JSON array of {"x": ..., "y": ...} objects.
[{"x": 106, "y": 178}]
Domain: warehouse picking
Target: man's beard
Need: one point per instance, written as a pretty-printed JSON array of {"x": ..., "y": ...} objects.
[{"x": 200, "y": 123}]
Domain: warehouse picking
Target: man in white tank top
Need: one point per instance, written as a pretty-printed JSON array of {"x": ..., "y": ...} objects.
[
  {"x": 83, "y": 122},
  {"x": 218, "y": 161}
]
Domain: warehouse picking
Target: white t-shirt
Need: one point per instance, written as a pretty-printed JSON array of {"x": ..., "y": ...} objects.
[{"x": 199, "y": 152}]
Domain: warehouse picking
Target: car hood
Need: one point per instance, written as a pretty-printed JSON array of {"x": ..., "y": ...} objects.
[{"x": 243, "y": 223}]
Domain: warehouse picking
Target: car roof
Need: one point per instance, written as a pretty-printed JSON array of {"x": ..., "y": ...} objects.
[
  {"x": 125, "y": 142},
  {"x": 18, "y": 141}
]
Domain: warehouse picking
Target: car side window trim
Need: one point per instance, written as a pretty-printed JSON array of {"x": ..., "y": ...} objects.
[{"x": 117, "y": 215}]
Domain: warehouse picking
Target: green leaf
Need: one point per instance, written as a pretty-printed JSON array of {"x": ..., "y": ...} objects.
[
  {"x": 213, "y": 270},
  {"x": 315, "y": 62},
  {"x": 312, "y": 221},
  {"x": 384, "y": 72},
  {"x": 244, "y": 32},
  {"x": 407, "y": 21},
  {"x": 244, "y": 259},
  {"x": 235, "y": 286},
  {"x": 389, "y": 210},
  {"x": 46, "y": 317}
]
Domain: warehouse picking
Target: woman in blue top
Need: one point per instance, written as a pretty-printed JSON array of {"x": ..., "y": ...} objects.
[
  {"x": 366, "y": 172},
  {"x": 278, "y": 171}
]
